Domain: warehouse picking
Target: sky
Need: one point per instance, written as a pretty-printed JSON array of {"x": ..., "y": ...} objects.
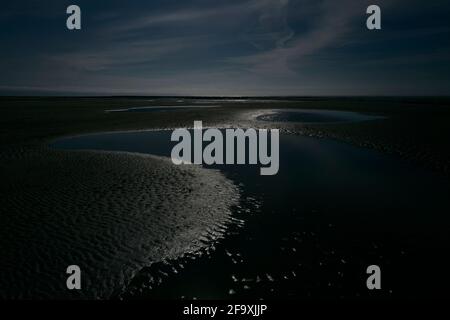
[{"x": 225, "y": 48}]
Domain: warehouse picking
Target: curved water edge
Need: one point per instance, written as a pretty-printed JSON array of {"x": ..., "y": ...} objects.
[
  {"x": 313, "y": 116},
  {"x": 111, "y": 213},
  {"x": 161, "y": 108},
  {"x": 326, "y": 188}
]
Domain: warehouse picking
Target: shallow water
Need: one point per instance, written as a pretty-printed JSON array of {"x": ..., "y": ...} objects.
[
  {"x": 314, "y": 116},
  {"x": 160, "y": 108},
  {"x": 311, "y": 230}
]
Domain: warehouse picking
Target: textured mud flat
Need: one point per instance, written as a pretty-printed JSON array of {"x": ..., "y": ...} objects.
[
  {"x": 116, "y": 214},
  {"x": 110, "y": 213},
  {"x": 418, "y": 135}
]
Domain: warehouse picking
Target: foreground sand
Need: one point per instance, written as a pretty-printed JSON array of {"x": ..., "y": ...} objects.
[{"x": 112, "y": 213}]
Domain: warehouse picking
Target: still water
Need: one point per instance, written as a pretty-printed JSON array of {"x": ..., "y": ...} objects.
[{"x": 311, "y": 230}]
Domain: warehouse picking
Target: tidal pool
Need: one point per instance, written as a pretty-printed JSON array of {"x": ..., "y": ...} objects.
[
  {"x": 311, "y": 230},
  {"x": 314, "y": 116},
  {"x": 160, "y": 108}
]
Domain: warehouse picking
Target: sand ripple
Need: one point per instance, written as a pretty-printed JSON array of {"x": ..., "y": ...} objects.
[{"x": 110, "y": 213}]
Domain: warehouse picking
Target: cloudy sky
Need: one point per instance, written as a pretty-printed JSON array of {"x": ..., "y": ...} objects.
[{"x": 225, "y": 47}]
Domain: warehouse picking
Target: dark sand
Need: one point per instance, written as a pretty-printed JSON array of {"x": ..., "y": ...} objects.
[
  {"x": 111, "y": 213},
  {"x": 413, "y": 128},
  {"x": 57, "y": 201}
]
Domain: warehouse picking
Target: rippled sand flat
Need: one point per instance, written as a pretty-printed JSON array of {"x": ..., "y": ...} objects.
[
  {"x": 110, "y": 213},
  {"x": 50, "y": 200}
]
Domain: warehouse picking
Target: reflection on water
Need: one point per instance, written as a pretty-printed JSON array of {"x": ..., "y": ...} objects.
[
  {"x": 314, "y": 116},
  {"x": 160, "y": 108},
  {"x": 310, "y": 231}
]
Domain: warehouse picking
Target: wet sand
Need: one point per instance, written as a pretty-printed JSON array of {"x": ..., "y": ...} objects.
[
  {"x": 342, "y": 188},
  {"x": 110, "y": 213},
  {"x": 45, "y": 195}
]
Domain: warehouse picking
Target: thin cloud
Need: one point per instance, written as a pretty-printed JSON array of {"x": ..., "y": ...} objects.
[
  {"x": 329, "y": 28},
  {"x": 226, "y": 47}
]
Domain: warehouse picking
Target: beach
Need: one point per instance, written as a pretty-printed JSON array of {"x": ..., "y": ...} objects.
[{"x": 144, "y": 228}]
